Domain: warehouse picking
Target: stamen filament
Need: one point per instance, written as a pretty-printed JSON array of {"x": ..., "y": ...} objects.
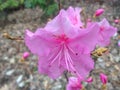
[{"x": 58, "y": 56}]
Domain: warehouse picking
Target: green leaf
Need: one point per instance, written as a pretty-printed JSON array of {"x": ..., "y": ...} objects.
[
  {"x": 28, "y": 4},
  {"x": 51, "y": 9},
  {"x": 40, "y": 2}
]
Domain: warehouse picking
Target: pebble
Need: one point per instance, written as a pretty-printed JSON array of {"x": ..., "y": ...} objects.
[
  {"x": 5, "y": 58},
  {"x": 21, "y": 85},
  {"x": 57, "y": 87},
  {"x": 19, "y": 79},
  {"x": 116, "y": 67},
  {"x": 117, "y": 58},
  {"x": 115, "y": 35},
  {"x": 114, "y": 51},
  {"x": 12, "y": 60},
  {"x": 102, "y": 64},
  {"x": 100, "y": 59},
  {"x": 10, "y": 72}
]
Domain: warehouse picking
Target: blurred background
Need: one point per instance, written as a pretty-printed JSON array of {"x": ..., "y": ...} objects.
[{"x": 18, "y": 15}]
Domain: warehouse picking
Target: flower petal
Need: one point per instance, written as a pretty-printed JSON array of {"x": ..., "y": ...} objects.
[
  {"x": 51, "y": 64},
  {"x": 86, "y": 39},
  {"x": 83, "y": 64},
  {"x": 61, "y": 25},
  {"x": 74, "y": 16},
  {"x": 105, "y": 33},
  {"x": 38, "y": 42}
]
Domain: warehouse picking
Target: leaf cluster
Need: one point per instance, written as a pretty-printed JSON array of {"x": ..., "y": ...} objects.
[{"x": 48, "y": 6}]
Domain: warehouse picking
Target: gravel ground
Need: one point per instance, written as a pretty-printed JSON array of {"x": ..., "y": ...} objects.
[{"x": 16, "y": 75}]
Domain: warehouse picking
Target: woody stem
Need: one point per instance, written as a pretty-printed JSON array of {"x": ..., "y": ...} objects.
[{"x": 66, "y": 76}]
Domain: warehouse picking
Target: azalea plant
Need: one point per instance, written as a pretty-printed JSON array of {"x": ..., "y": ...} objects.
[{"x": 65, "y": 45}]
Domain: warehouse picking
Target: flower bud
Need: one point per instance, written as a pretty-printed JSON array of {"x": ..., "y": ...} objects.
[
  {"x": 103, "y": 78},
  {"x": 90, "y": 80},
  {"x": 25, "y": 55},
  {"x": 116, "y": 21},
  {"x": 98, "y": 12}
]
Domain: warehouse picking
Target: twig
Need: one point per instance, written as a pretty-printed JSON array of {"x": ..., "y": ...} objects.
[
  {"x": 59, "y": 4},
  {"x": 65, "y": 74}
]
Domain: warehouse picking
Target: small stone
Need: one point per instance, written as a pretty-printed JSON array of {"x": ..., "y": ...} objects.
[
  {"x": 21, "y": 85},
  {"x": 107, "y": 64},
  {"x": 12, "y": 60},
  {"x": 117, "y": 59},
  {"x": 5, "y": 58},
  {"x": 10, "y": 72},
  {"x": 114, "y": 51},
  {"x": 31, "y": 77},
  {"x": 102, "y": 65},
  {"x": 115, "y": 34},
  {"x": 116, "y": 67},
  {"x": 19, "y": 79},
  {"x": 100, "y": 59}
]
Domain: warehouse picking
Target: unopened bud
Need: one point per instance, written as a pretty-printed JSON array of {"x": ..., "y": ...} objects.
[
  {"x": 90, "y": 80},
  {"x": 26, "y": 55},
  {"x": 99, "y": 12},
  {"x": 103, "y": 78}
]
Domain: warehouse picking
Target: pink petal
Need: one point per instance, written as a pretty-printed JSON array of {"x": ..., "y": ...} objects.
[
  {"x": 39, "y": 43},
  {"x": 83, "y": 64},
  {"x": 87, "y": 38},
  {"x": 61, "y": 25},
  {"x": 52, "y": 69},
  {"x": 74, "y": 16},
  {"x": 74, "y": 84},
  {"x": 105, "y": 33}
]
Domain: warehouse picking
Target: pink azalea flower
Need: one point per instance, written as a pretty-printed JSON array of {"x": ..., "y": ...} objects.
[
  {"x": 103, "y": 78},
  {"x": 62, "y": 46},
  {"x": 105, "y": 33},
  {"x": 74, "y": 84},
  {"x": 99, "y": 12},
  {"x": 26, "y": 55}
]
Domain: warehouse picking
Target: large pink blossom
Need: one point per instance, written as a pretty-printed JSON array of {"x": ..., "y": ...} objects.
[
  {"x": 74, "y": 84},
  {"x": 105, "y": 33},
  {"x": 63, "y": 46}
]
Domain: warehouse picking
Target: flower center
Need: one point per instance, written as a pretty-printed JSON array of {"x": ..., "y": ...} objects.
[
  {"x": 102, "y": 28},
  {"x": 62, "y": 38}
]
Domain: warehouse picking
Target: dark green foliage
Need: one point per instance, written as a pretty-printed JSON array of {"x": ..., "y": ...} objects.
[
  {"x": 8, "y": 4},
  {"x": 48, "y": 6}
]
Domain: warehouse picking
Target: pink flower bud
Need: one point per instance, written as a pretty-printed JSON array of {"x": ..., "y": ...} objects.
[
  {"x": 99, "y": 12},
  {"x": 26, "y": 55},
  {"x": 116, "y": 21},
  {"x": 89, "y": 20},
  {"x": 103, "y": 78},
  {"x": 89, "y": 80},
  {"x": 119, "y": 43}
]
